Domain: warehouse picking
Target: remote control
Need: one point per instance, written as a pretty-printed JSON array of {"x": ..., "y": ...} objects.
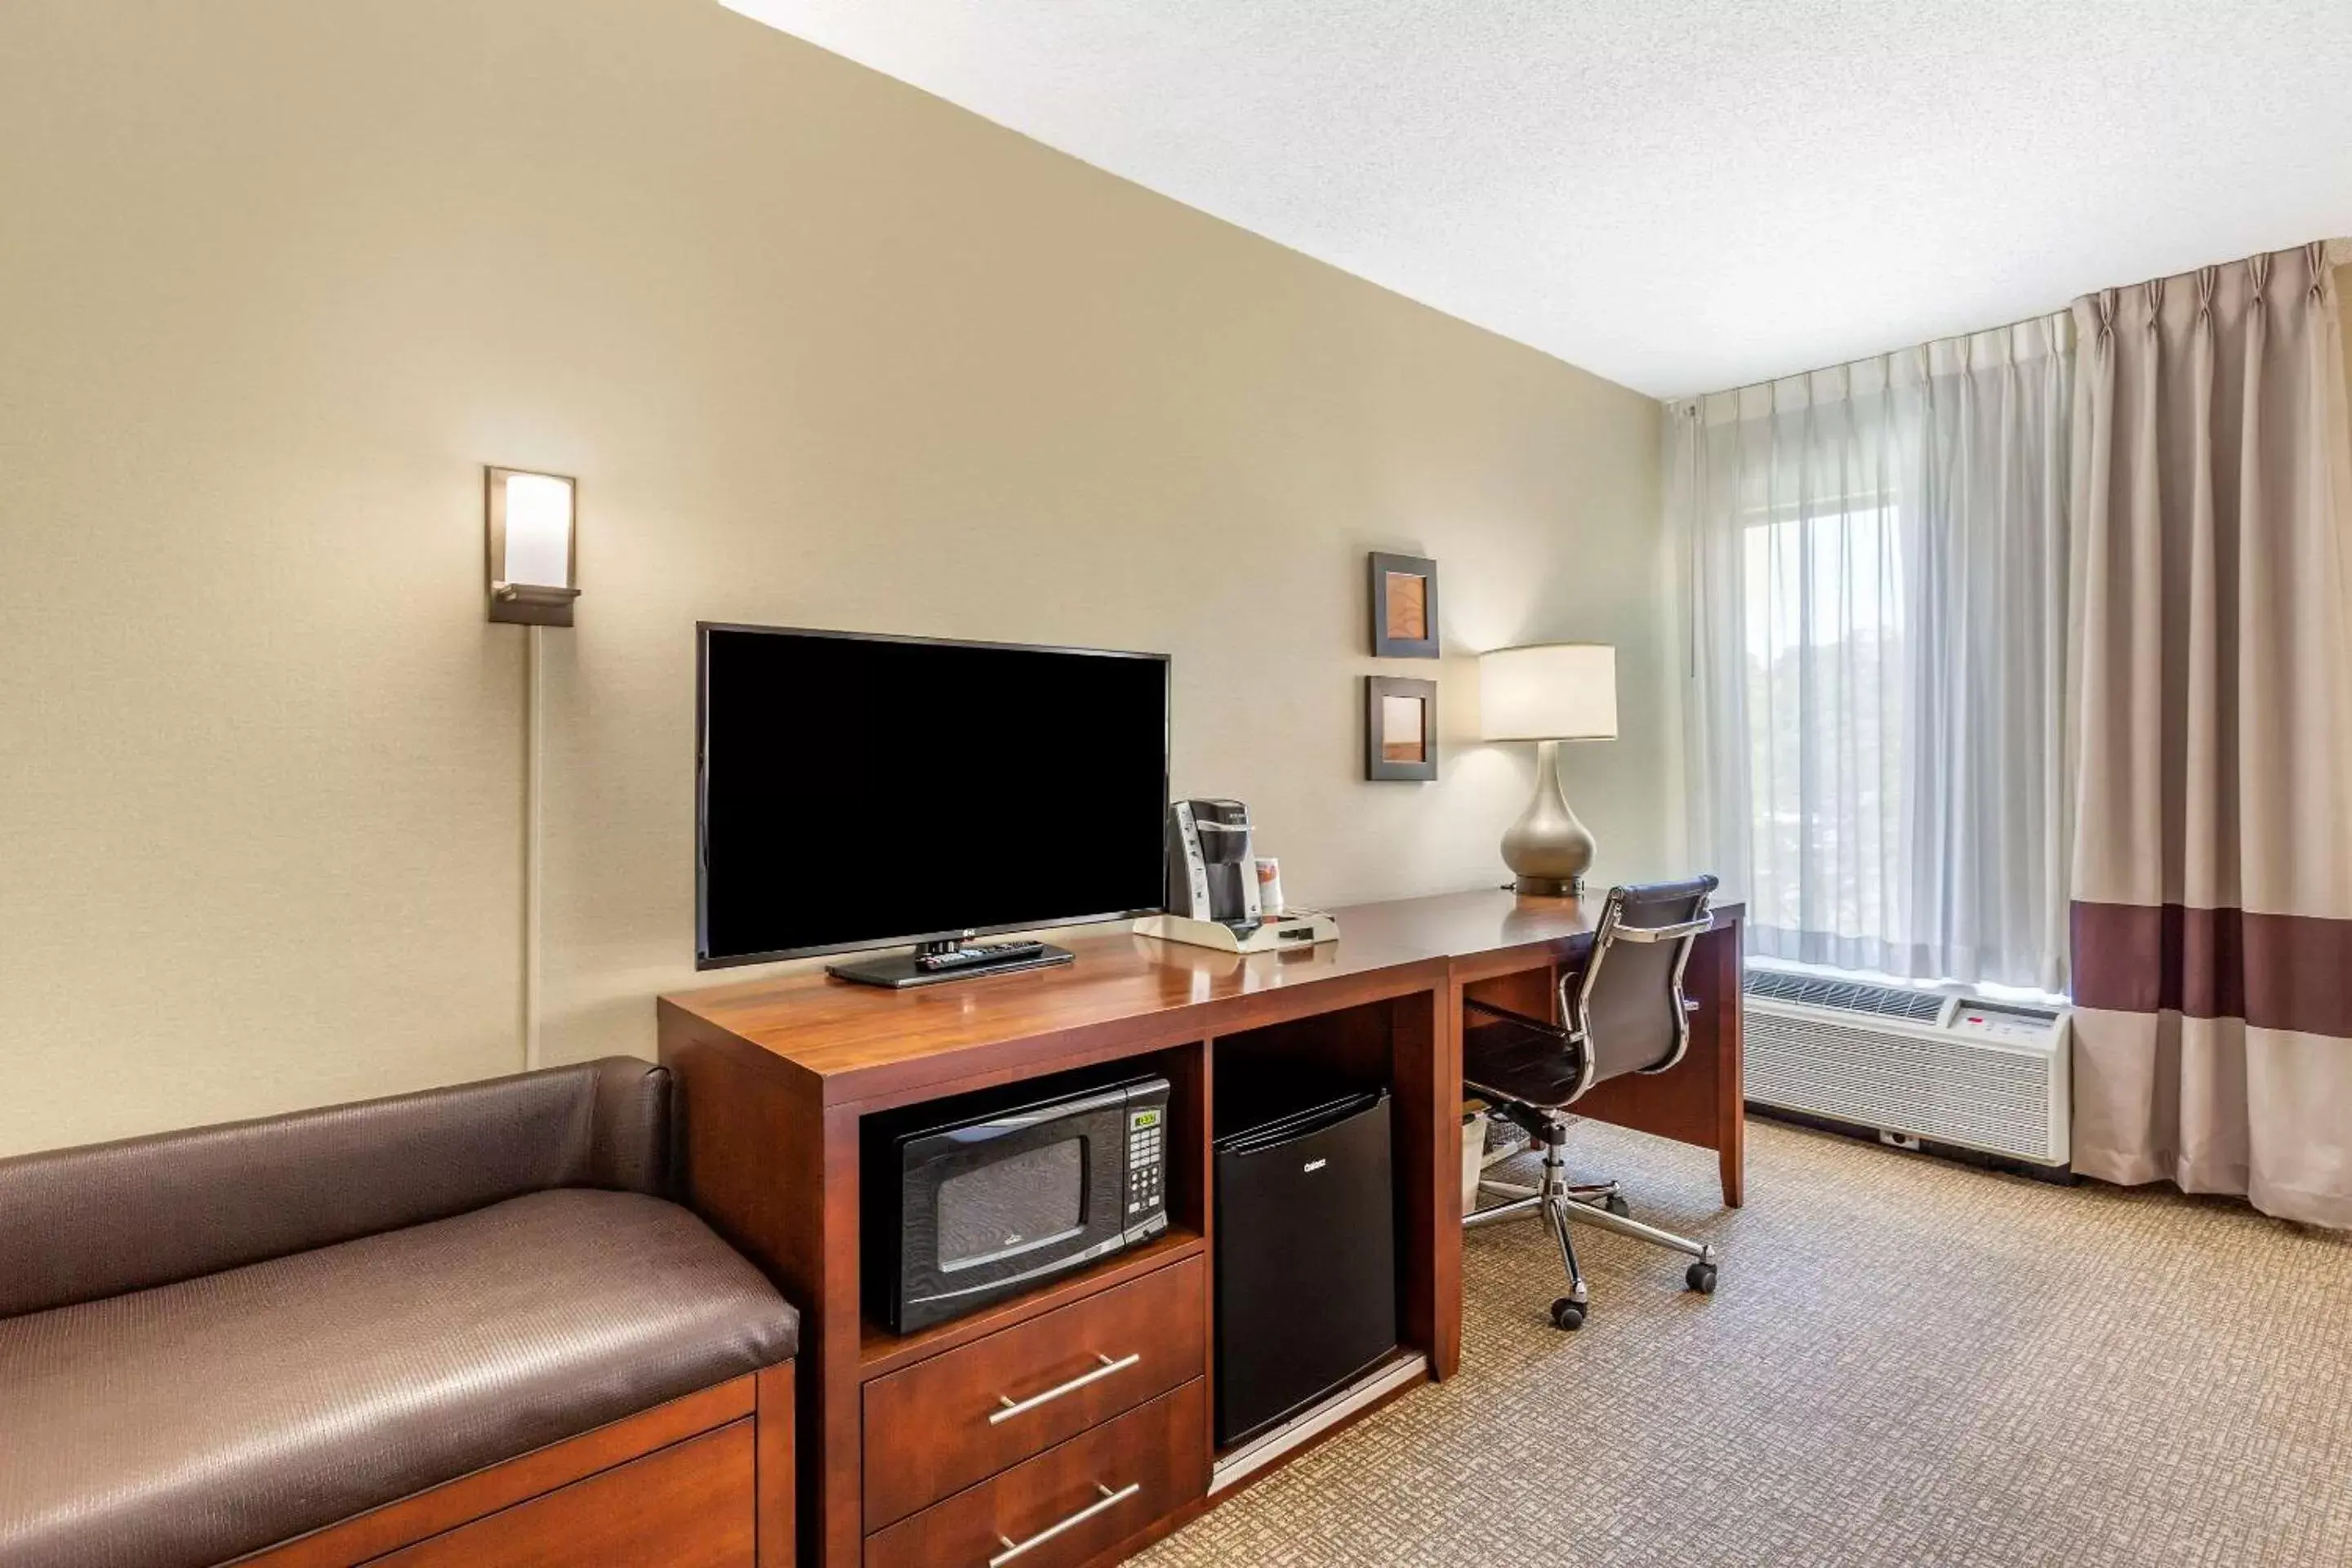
[{"x": 977, "y": 953}]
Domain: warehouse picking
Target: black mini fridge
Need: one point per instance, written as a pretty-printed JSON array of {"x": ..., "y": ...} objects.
[{"x": 1307, "y": 1285}]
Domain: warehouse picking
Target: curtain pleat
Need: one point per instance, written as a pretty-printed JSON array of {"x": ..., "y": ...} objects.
[{"x": 2212, "y": 633}]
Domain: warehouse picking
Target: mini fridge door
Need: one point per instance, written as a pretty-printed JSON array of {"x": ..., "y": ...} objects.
[{"x": 1306, "y": 1238}]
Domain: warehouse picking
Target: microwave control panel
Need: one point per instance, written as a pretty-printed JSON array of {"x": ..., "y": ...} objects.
[{"x": 1147, "y": 1165}]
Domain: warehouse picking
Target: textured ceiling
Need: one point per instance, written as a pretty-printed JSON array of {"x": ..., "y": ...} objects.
[{"x": 1680, "y": 194}]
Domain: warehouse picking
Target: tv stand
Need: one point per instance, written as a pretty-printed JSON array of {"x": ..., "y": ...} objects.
[
  {"x": 918, "y": 965},
  {"x": 900, "y": 1465}
]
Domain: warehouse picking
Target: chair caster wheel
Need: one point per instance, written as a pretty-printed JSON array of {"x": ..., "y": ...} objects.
[
  {"x": 1700, "y": 1277},
  {"x": 1566, "y": 1314},
  {"x": 1618, "y": 1205}
]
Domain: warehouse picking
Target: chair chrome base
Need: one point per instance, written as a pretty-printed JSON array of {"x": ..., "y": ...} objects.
[{"x": 1561, "y": 1202}]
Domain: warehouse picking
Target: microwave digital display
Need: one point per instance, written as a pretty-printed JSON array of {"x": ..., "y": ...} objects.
[
  {"x": 1032, "y": 1200},
  {"x": 970, "y": 1200}
]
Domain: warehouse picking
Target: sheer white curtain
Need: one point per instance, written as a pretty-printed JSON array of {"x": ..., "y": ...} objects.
[{"x": 1878, "y": 565}]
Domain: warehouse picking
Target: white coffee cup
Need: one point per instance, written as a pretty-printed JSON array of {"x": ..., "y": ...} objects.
[{"x": 1269, "y": 885}]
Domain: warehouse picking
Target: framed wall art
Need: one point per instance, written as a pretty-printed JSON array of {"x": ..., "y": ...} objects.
[
  {"x": 1400, "y": 729},
  {"x": 1404, "y": 606}
]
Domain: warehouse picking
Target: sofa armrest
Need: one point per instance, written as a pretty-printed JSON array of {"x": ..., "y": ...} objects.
[{"x": 629, "y": 1141}]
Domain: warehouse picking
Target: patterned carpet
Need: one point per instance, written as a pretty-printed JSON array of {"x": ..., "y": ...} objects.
[{"x": 1908, "y": 1361}]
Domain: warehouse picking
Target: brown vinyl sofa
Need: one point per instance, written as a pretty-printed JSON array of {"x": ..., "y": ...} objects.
[{"x": 465, "y": 1326}]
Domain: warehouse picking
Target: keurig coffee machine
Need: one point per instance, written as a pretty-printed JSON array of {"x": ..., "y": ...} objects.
[
  {"x": 1213, "y": 899},
  {"x": 1212, "y": 874}
]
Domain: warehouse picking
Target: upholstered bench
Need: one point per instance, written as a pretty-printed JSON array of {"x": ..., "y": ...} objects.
[{"x": 468, "y": 1319}]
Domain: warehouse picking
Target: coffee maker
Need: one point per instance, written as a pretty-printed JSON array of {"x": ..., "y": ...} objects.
[
  {"x": 1212, "y": 872},
  {"x": 1212, "y": 889}
]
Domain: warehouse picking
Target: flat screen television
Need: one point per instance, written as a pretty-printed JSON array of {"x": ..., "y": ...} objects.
[{"x": 861, "y": 791}]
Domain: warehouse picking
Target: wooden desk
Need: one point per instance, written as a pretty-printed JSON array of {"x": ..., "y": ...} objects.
[{"x": 777, "y": 1073}]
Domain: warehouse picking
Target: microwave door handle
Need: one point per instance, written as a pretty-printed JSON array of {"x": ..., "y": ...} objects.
[{"x": 1009, "y": 1407}]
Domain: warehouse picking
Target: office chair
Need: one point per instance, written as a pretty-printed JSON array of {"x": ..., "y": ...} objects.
[{"x": 1623, "y": 1012}]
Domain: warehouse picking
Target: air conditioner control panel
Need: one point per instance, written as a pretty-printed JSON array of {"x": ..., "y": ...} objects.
[{"x": 2001, "y": 1023}]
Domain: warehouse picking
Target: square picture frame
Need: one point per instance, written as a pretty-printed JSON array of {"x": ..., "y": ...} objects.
[
  {"x": 1404, "y": 606},
  {"x": 1400, "y": 743}
]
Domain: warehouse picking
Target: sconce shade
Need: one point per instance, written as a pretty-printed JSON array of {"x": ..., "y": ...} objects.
[
  {"x": 534, "y": 547},
  {"x": 1550, "y": 692}
]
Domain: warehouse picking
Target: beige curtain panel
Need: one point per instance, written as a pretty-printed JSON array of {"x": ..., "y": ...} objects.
[{"x": 2212, "y": 633}]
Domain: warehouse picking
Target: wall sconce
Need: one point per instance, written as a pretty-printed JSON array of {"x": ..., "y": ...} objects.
[{"x": 534, "y": 547}]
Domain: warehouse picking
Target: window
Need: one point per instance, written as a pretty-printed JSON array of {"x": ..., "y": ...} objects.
[
  {"x": 1825, "y": 644},
  {"x": 1878, "y": 561}
]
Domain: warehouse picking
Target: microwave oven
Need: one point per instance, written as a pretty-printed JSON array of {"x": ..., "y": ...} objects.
[{"x": 970, "y": 1201}]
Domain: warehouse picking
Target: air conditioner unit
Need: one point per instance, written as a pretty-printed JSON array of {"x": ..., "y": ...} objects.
[{"x": 1933, "y": 1065}]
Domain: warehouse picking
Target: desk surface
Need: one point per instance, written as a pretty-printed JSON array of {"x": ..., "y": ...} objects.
[{"x": 834, "y": 1029}]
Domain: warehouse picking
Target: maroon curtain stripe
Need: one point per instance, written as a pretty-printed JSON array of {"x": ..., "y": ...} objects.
[{"x": 2277, "y": 972}]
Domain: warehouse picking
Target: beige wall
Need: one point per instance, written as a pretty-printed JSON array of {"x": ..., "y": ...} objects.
[{"x": 277, "y": 276}]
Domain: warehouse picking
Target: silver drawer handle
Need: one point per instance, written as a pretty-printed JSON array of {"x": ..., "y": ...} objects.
[
  {"x": 1011, "y": 1408},
  {"x": 1108, "y": 1501}
]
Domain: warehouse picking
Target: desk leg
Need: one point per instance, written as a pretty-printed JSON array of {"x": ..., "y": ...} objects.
[
  {"x": 839, "y": 1528},
  {"x": 1721, "y": 1005},
  {"x": 1731, "y": 1155},
  {"x": 1427, "y": 1044},
  {"x": 1445, "y": 1344}
]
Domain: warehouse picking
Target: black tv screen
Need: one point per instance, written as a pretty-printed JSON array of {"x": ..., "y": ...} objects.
[{"x": 862, "y": 791}]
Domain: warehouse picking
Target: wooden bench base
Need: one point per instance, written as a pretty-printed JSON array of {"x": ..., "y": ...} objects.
[{"x": 704, "y": 1481}]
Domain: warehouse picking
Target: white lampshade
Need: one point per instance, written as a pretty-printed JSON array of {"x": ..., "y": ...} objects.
[
  {"x": 1550, "y": 692},
  {"x": 539, "y": 529},
  {"x": 534, "y": 547}
]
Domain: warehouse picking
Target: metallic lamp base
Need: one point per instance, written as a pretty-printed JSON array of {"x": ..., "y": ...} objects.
[{"x": 1548, "y": 849}]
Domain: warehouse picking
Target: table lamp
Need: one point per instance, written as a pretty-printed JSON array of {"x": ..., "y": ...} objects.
[{"x": 1547, "y": 693}]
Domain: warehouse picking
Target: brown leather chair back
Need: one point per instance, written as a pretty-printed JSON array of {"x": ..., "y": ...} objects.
[
  {"x": 1627, "y": 1002},
  {"x": 77, "y": 1225}
]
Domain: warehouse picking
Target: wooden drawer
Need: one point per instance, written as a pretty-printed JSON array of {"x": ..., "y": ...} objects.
[
  {"x": 1069, "y": 1503},
  {"x": 687, "y": 1506},
  {"x": 965, "y": 1414}
]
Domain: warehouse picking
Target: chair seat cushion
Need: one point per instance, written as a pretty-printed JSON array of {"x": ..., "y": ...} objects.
[
  {"x": 1509, "y": 1061},
  {"x": 194, "y": 1422}
]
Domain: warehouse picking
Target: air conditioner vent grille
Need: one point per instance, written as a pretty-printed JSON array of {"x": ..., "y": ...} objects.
[
  {"x": 1844, "y": 995},
  {"x": 1924, "y": 1085}
]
